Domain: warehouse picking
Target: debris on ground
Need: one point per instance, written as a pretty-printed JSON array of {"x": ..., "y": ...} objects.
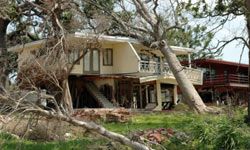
[
  {"x": 155, "y": 135},
  {"x": 3, "y": 120},
  {"x": 106, "y": 114}
]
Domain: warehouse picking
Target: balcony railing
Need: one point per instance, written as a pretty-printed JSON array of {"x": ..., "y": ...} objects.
[
  {"x": 226, "y": 78},
  {"x": 151, "y": 67}
]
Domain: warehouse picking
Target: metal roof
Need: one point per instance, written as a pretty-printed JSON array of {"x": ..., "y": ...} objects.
[{"x": 218, "y": 61}]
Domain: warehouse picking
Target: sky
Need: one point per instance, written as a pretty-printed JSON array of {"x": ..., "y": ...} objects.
[
  {"x": 233, "y": 50},
  {"x": 236, "y": 27}
]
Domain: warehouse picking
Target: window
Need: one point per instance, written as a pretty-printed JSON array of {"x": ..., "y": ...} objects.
[
  {"x": 95, "y": 56},
  {"x": 73, "y": 56},
  {"x": 91, "y": 61},
  {"x": 87, "y": 61},
  {"x": 108, "y": 57}
]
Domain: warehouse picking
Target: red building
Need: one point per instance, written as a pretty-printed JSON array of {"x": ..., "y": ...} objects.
[{"x": 223, "y": 81}]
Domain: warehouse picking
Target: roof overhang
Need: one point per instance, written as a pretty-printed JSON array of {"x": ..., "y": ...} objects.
[
  {"x": 219, "y": 62},
  {"x": 101, "y": 38}
]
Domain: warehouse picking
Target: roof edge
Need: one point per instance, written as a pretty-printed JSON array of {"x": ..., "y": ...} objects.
[{"x": 38, "y": 43}]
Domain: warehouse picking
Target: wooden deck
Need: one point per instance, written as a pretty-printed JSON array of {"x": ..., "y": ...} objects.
[{"x": 234, "y": 80}]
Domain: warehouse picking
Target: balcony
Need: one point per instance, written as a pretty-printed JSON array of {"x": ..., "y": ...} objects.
[
  {"x": 227, "y": 79},
  {"x": 151, "y": 67}
]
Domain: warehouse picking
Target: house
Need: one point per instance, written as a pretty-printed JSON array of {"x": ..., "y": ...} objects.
[
  {"x": 223, "y": 81},
  {"x": 119, "y": 71}
]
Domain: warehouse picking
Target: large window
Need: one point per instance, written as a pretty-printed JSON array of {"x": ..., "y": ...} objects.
[
  {"x": 108, "y": 57},
  {"x": 95, "y": 61},
  {"x": 86, "y": 60},
  {"x": 91, "y": 61},
  {"x": 73, "y": 56}
]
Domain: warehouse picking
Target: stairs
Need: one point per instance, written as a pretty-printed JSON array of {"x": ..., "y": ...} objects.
[{"x": 94, "y": 91}]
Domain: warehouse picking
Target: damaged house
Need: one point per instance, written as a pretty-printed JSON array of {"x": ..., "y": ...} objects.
[
  {"x": 224, "y": 81},
  {"x": 118, "y": 72}
]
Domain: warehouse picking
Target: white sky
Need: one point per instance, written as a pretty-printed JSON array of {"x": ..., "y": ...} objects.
[
  {"x": 233, "y": 50},
  {"x": 236, "y": 27}
]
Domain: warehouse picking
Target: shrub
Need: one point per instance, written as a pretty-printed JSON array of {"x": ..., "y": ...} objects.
[
  {"x": 203, "y": 135},
  {"x": 228, "y": 138}
]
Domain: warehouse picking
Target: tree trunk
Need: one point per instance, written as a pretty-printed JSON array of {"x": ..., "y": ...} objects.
[
  {"x": 3, "y": 51},
  {"x": 190, "y": 94},
  {"x": 93, "y": 128},
  {"x": 67, "y": 99}
]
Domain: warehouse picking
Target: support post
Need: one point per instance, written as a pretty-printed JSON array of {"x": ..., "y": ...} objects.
[
  {"x": 158, "y": 93},
  {"x": 140, "y": 96},
  {"x": 146, "y": 90},
  {"x": 175, "y": 94},
  {"x": 189, "y": 61}
]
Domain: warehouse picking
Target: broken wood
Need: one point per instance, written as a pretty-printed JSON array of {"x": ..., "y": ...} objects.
[
  {"x": 29, "y": 109},
  {"x": 92, "y": 127},
  {"x": 106, "y": 114}
]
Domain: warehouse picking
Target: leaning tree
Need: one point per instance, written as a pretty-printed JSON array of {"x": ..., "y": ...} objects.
[
  {"x": 151, "y": 22},
  {"x": 224, "y": 11}
]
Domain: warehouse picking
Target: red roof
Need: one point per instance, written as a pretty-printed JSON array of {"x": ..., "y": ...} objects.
[{"x": 216, "y": 61}]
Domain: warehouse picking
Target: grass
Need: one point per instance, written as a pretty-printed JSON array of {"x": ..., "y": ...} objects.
[
  {"x": 29, "y": 145},
  {"x": 225, "y": 131}
]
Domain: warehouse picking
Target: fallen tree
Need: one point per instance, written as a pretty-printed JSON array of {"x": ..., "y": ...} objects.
[{"x": 24, "y": 106}]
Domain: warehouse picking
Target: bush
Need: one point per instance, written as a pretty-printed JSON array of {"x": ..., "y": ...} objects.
[
  {"x": 228, "y": 138},
  {"x": 203, "y": 136}
]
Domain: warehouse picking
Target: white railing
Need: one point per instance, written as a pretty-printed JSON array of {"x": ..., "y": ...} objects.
[
  {"x": 194, "y": 75},
  {"x": 151, "y": 67},
  {"x": 166, "y": 70}
]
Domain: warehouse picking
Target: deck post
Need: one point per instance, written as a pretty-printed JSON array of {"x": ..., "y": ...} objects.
[
  {"x": 146, "y": 91},
  {"x": 189, "y": 60},
  {"x": 158, "y": 93},
  {"x": 140, "y": 96},
  {"x": 175, "y": 94}
]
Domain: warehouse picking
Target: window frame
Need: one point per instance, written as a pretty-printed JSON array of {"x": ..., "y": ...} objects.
[
  {"x": 106, "y": 56},
  {"x": 73, "y": 56}
]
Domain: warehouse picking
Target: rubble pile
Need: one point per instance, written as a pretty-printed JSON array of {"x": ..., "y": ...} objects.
[
  {"x": 106, "y": 114},
  {"x": 155, "y": 135}
]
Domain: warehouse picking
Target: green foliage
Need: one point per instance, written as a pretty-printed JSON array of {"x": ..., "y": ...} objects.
[
  {"x": 66, "y": 16},
  {"x": 220, "y": 10},
  {"x": 90, "y": 10},
  {"x": 7, "y": 136},
  {"x": 203, "y": 135},
  {"x": 201, "y": 9},
  {"x": 61, "y": 145},
  {"x": 227, "y": 137},
  {"x": 235, "y": 7},
  {"x": 192, "y": 131},
  {"x": 9, "y": 10},
  {"x": 193, "y": 37}
]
